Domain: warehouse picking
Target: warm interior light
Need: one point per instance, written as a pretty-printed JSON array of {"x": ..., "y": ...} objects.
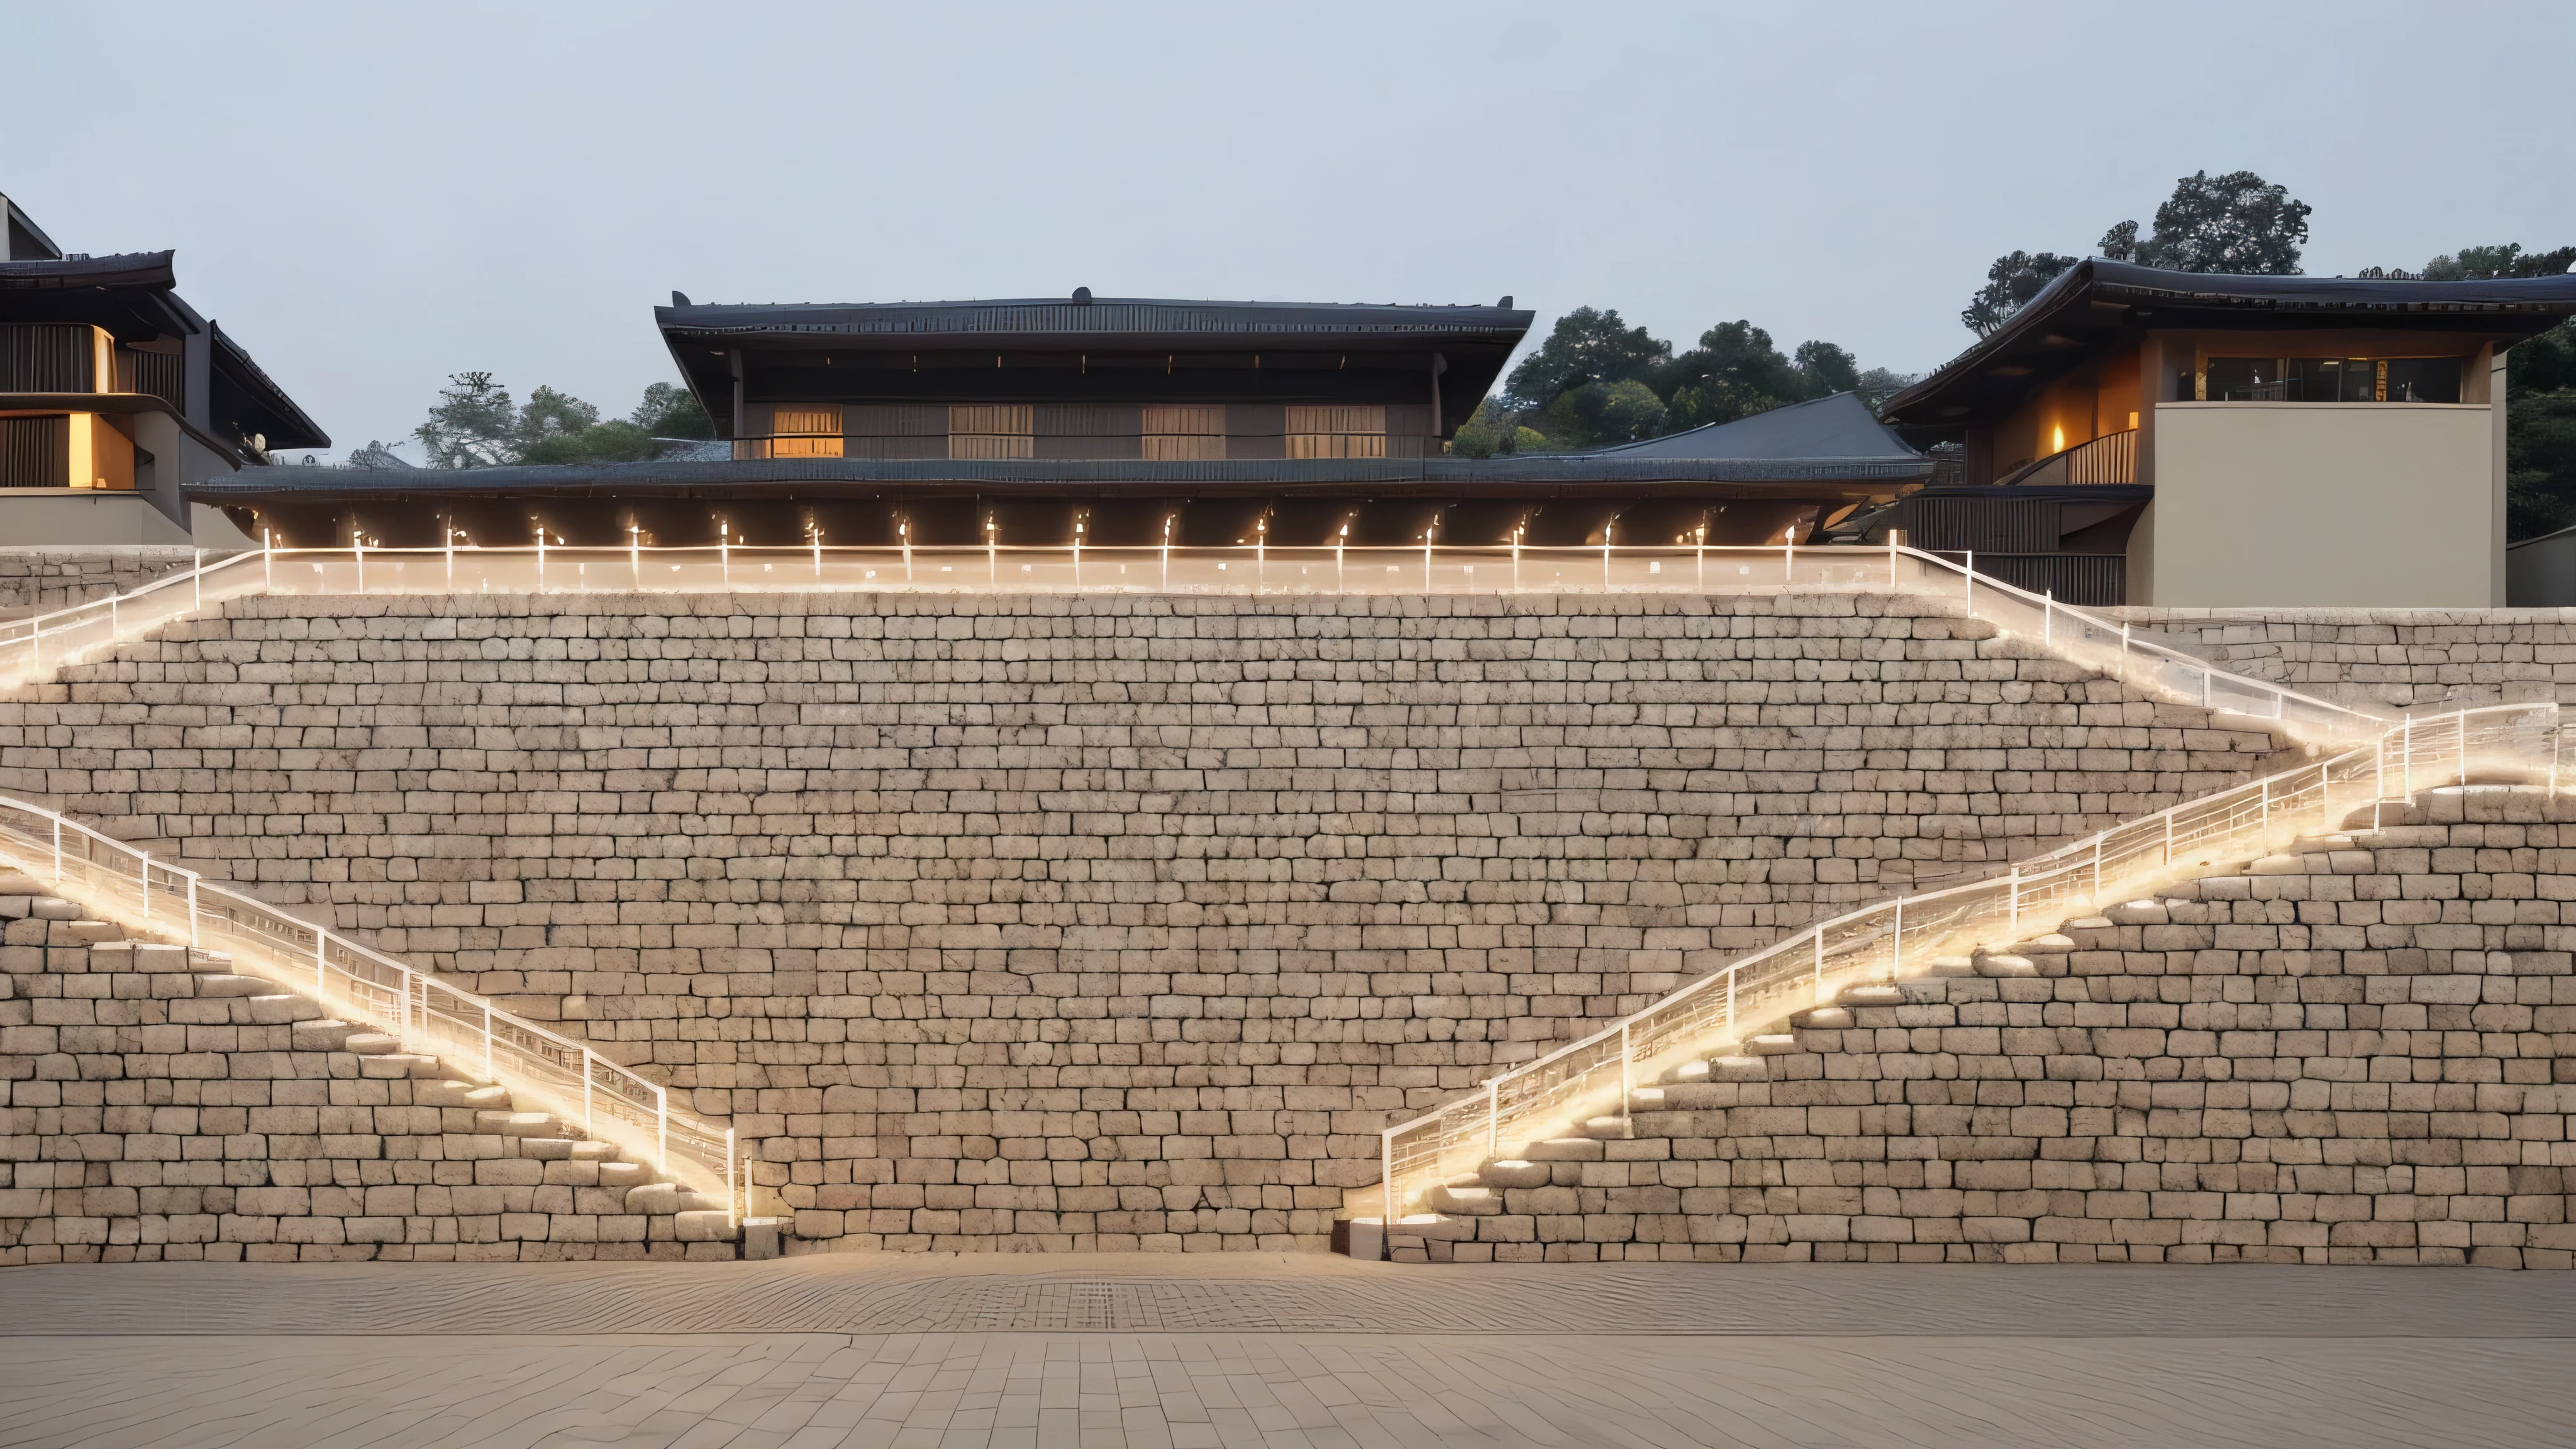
[{"x": 2059, "y": 445}]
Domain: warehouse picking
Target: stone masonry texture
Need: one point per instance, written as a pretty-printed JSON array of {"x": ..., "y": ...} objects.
[
  {"x": 2386, "y": 659},
  {"x": 151, "y": 1111},
  {"x": 38, "y": 580},
  {"x": 1105, "y": 922},
  {"x": 2363, "y": 1052}
]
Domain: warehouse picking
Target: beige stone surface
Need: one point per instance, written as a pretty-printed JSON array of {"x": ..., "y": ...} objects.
[
  {"x": 1089, "y": 921},
  {"x": 38, "y": 580}
]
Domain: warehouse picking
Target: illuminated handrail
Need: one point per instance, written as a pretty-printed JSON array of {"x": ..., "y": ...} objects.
[
  {"x": 116, "y": 882},
  {"x": 29, "y": 647},
  {"x": 1875, "y": 942}
]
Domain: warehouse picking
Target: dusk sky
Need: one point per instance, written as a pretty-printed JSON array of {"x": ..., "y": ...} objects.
[{"x": 372, "y": 197}]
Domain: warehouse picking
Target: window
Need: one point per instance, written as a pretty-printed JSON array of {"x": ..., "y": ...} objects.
[
  {"x": 1184, "y": 433},
  {"x": 806, "y": 431},
  {"x": 991, "y": 430},
  {"x": 1337, "y": 432},
  {"x": 2333, "y": 379}
]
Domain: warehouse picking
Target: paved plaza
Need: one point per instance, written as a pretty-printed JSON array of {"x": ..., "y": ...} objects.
[{"x": 1268, "y": 1350}]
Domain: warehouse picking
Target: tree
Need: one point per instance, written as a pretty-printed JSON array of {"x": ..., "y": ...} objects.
[
  {"x": 1827, "y": 369},
  {"x": 2011, "y": 282},
  {"x": 473, "y": 425},
  {"x": 1585, "y": 346},
  {"x": 671, "y": 411},
  {"x": 2237, "y": 223},
  {"x": 1879, "y": 384},
  {"x": 1599, "y": 414},
  {"x": 377, "y": 455}
]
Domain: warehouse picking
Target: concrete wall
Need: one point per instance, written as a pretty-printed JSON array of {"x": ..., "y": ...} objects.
[
  {"x": 2540, "y": 573},
  {"x": 2358, "y": 1055},
  {"x": 1097, "y": 921},
  {"x": 2322, "y": 504}
]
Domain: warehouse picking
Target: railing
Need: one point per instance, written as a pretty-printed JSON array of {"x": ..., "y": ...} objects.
[
  {"x": 1876, "y": 942},
  {"x": 2111, "y": 458},
  {"x": 117, "y": 882},
  {"x": 29, "y": 647}
]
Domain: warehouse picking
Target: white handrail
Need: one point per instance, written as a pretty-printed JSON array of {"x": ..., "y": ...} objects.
[
  {"x": 117, "y": 882},
  {"x": 28, "y": 647},
  {"x": 1565, "y": 1085}
]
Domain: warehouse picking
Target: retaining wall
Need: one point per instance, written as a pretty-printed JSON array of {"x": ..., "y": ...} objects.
[
  {"x": 2363, "y": 1054},
  {"x": 1049, "y": 921},
  {"x": 39, "y": 580},
  {"x": 2385, "y": 658}
]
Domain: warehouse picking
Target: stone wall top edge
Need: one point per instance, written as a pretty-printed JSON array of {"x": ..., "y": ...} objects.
[{"x": 840, "y": 603}]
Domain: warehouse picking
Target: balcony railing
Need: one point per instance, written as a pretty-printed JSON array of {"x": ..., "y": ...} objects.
[{"x": 2111, "y": 458}]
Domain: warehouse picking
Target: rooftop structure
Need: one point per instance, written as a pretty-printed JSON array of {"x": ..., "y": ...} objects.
[{"x": 113, "y": 388}]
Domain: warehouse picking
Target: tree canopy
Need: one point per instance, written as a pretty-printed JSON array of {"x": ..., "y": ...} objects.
[
  {"x": 1596, "y": 381},
  {"x": 475, "y": 424},
  {"x": 2011, "y": 282},
  {"x": 2237, "y": 223}
]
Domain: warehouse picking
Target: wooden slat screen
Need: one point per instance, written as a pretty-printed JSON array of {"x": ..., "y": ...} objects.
[
  {"x": 1185, "y": 419},
  {"x": 991, "y": 445},
  {"x": 895, "y": 420},
  {"x": 35, "y": 452},
  {"x": 807, "y": 421},
  {"x": 47, "y": 357},
  {"x": 1068, "y": 420},
  {"x": 1336, "y": 445},
  {"x": 1184, "y": 447},
  {"x": 1337, "y": 418},
  {"x": 1002, "y": 418}
]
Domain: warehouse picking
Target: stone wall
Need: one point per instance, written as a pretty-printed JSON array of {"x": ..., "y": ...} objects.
[
  {"x": 2364, "y": 1052},
  {"x": 39, "y": 580},
  {"x": 1110, "y": 922},
  {"x": 154, "y": 1108},
  {"x": 2386, "y": 658}
]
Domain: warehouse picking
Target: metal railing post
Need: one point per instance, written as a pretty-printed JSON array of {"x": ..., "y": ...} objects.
[
  {"x": 1730, "y": 1003},
  {"x": 2169, "y": 837},
  {"x": 321, "y": 970},
  {"x": 1896, "y": 967},
  {"x": 58, "y": 850},
  {"x": 1627, "y": 1085},
  {"x": 2012, "y": 906},
  {"x": 736, "y": 1217},
  {"x": 1789, "y": 558},
  {"x": 360, "y": 550},
  {"x": 589, "y": 1073},
  {"x": 1969, "y": 582},
  {"x": 145, "y": 878},
  {"x": 1386, "y": 1178},
  {"x": 192, "y": 910},
  {"x": 662, "y": 1120},
  {"x": 2048, "y": 617},
  {"x": 1493, "y": 1115},
  {"x": 199, "y": 578},
  {"x": 1819, "y": 987},
  {"x": 2406, "y": 760},
  {"x": 487, "y": 1041}
]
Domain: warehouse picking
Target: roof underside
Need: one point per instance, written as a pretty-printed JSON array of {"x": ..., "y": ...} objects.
[
  {"x": 2098, "y": 306},
  {"x": 1112, "y": 349},
  {"x": 1540, "y": 477}
]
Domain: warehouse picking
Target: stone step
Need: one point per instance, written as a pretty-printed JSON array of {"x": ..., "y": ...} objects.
[
  {"x": 1606, "y": 1129},
  {"x": 704, "y": 1225},
  {"x": 1872, "y": 994},
  {"x": 1940, "y": 966},
  {"x": 2007, "y": 965},
  {"x": 222, "y": 984},
  {"x": 517, "y": 1124},
  {"x": 1466, "y": 1201},
  {"x": 397, "y": 1065},
  {"x": 93, "y": 931},
  {"x": 2139, "y": 913},
  {"x": 621, "y": 1174},
  {"x": 667, "y": 1197},
  {"x": 325, "y": 1034},
  {"x": 1738, "y": 1069},
  {"x": 1770, "y": 1044},
  {"x": 279, "y": 1008},
  {"x": 2056, "y": 943},
  {"x": 1509, "y": 1172},
  {"x": 1822, "y": 1018},
  {"x": 371, "y": 1043},
  {"x": 53, "y": 908},
  {"x": 1564, "y": 1149}
]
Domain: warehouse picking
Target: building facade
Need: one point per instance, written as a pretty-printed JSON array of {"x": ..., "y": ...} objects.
[
  {"x": 115, "y": 394},
  {"x": 2185, "y": 440}
]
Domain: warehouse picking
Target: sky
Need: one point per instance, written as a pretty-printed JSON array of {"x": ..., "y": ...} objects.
[{"x": 371, "y": 197}]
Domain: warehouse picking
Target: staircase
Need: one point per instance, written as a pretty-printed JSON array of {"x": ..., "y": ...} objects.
[
  {"x": 427, "y": 1159},
  {"x": 1470, "y": 1181}
]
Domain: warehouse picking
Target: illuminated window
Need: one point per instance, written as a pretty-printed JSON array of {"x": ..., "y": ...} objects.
[
  {"x": 2333, "y": 379},
  {"x": 806, "y": 432}
]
